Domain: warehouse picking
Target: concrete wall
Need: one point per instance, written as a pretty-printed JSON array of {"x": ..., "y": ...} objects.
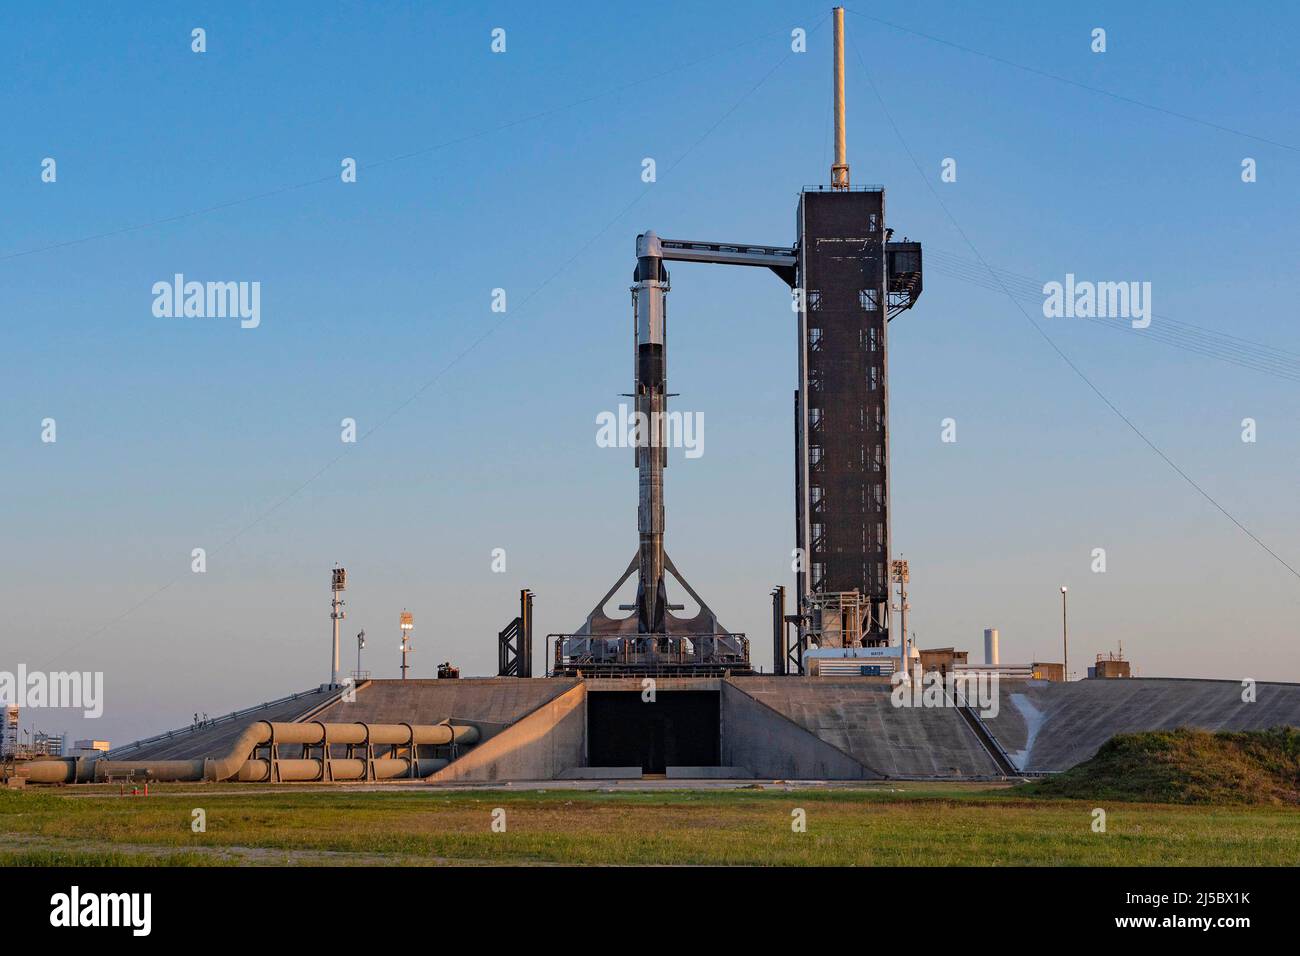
[
  {"x": 491, "y": 701},
  {"x": 634, "y": 684},
  {"x": 771, "y": 746},
  {"x": 856, "y": 716},
  {"x": 540, "y": 746},
  {"x": 1053, "y": 726}
]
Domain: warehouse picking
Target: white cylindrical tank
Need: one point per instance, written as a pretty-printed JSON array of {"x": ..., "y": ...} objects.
[{"x": 991, "y": 646}]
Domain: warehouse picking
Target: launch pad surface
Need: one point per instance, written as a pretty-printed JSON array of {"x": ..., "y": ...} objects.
[{"x": 758, "y": 727}]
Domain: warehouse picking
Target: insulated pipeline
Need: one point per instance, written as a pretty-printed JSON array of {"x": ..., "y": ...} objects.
[{"x": 236, "y": 762}]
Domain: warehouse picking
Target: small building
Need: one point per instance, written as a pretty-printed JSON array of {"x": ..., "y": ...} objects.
[
  {"x": 1046, "y": 670},
  {"x": 856, "y": 661},
  {"x": 90, "y": 748},
  {"x": 1109, "y": 666},
  {"x": 943, "y": 659}
]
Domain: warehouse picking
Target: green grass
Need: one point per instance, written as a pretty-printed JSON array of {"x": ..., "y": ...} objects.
[
  {"x": 1188, "y": 767},
  {"x": 918, "y": 825}
]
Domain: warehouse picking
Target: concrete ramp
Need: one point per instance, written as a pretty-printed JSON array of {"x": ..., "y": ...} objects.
[
  {"x": 856, "y": 718},
  {"x": 1047, "y": 726},
  {"x": 539, "y": 746},
  {"x": 490, "y": 703},
  {"x": 217, "y": 736}
]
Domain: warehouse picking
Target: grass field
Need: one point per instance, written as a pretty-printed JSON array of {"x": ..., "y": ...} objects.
[{"x": 416, "y": 825}]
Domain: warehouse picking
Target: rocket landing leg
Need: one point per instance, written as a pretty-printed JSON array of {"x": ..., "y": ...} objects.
[{"x": 601, "y": 624}]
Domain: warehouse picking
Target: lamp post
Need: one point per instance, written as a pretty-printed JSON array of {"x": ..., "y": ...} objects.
[
  {"x": 361, "y": 642},
  {"x": 1065, "y": 637}
]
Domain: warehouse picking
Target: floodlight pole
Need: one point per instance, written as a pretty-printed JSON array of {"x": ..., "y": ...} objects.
[
  {"x": 1065, "y": 639},
  {"x": 901, "y": 575},
  {"x": 408, "y": 624},
  {"x": 338, "y": 584}
]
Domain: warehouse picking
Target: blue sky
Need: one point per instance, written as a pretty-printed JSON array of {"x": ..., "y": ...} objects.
[{"x": 522, "y": 171}]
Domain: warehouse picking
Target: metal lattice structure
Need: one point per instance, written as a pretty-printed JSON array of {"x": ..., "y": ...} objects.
[
  {"x": 852, "y": 279},
  {"x": 515, "y": 642}
]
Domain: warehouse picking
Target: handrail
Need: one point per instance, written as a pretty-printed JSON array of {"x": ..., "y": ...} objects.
[
  {"x": 214, "y": 721},
  {"x": 983, "y": 733}
]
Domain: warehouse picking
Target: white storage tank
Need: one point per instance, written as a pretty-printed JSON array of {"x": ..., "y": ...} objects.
[{"x": 991, "y": 647}]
